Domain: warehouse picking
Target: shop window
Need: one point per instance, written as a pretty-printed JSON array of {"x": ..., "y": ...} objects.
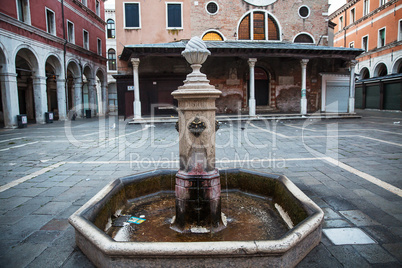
[
  {"x": 132, "y": 15},
  {"x": 111, "y": 29},
  {"x": 174, "y": 15}
]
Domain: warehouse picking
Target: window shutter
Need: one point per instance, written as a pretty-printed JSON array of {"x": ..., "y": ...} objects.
[
  {"x": 174, "y": 15},
  {"x": 273, "y": 29},
  {"x": 132, "y": 15},
  {"x": 244, "y": 28},
  {"x": 259, "y": 26}
]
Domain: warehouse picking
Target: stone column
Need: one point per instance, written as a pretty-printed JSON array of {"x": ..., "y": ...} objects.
[
  {"x": 9, "y": 96},
  {"x": 105, "y": 96},
  {"x": 78, "y": 97},
  {"x": 198, "y": 206},
  {"x": 351, "y": 107},
  {"x": 92, "y": 95},
  {"x": 137, "y": 102},
  {"x": 61, "y": 99},
  {"x": 40, "y": 98},
  {"x": 251, "y": 101},
  {"x": 303, "y": 101}
]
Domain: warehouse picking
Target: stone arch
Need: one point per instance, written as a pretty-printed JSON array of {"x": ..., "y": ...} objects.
[
  {"x": 380, "y": 70},
  {"x": 74, "y": 87},
  {"x": 31, "y": 84},
  {"x": 364, "y": 73},
  {"x": 55, "y": 83},
  {"x": 397, "y": 67},
  {"x": 101, "y": 89},
  {"x": 89, "y": 90}
]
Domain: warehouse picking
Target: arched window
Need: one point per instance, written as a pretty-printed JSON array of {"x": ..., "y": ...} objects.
[
  {"x": 364, "y": 74},
  {"x": 380, "y": 70},
  {"x": 111, "y": 29},
  {"x": 212, "y": 36},
  {"x": 304, "y": 38},
  {"x": 258, "y": 25},
  {"x": 111, "y": 59}
]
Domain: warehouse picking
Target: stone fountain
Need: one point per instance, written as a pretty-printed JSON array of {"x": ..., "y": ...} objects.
[{"x": 187, "y": 227}]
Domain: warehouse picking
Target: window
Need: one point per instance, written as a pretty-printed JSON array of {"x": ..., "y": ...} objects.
[
  {"x": 352, "y": 15},
  {"x": 85, "y": 2},
  {"x": 400, "y": 31},
  {"x": 132, "y": 15},
  {"x": 304, "y": 12},
  {"x": 97, "y": 7},
  {"x": 365, "y": 7},
  {"x": 212, "y": 36},
  {"x": 70, "y": 32},
  {"x": 50, "y": 22},
  {"x": 23, "y": 13},
  {"x": 365, "y": 43},
  {"x": 111, "y": 29},
  {"x": 99, "y": 47},
  {"x": 381, "y": 37},
  {"x": 258, "y": 25},
  {"x": 382, "y": 2},
  {"x": 352, "y": 44},
  {"x": 340, "y": 23},
  {"x": 85, "y": 40},
  {"x": 304, "y": 38},
  {"x": 174, "y": 15},
  {"x": 212, "y": 8},
  {"x": 111, "y": 59}
]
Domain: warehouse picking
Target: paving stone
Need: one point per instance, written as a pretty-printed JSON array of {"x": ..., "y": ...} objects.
[
  {"x": 77, "y": 260},
  {"x": 347, "y": 236},
  {"x": 382, "y": 235},
  {"x": 358, "y": 218},
  {"x": 20, "y": 255},
  {"x": 53, "y": 208},
  {"x": 348, "y": 256},
  {"x": 330, "y": 214},
  {"x": 395, "y": 249},
  {"x": 374, "y": 254},
  {"x": 338, "y": 203},
  {"x": 336, "y": 223},
  {"x": 319, "y": 257},
  {"x": 56, "y": 225},
  {"x": 42, "y": 237}
]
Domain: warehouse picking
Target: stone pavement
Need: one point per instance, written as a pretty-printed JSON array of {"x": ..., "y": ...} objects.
[{"x": 351, "y": 168}]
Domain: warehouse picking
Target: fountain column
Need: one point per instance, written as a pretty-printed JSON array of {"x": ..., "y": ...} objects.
[{"x": 198, "y": 203}]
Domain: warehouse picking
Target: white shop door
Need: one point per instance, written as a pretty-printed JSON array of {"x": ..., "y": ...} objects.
[{"x": 337, "y": 97}]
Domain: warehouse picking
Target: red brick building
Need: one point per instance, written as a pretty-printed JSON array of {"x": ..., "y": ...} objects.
[
  {"x": 283, "y": 45},
  {"x": 376, "y": 27},
  {"x": 52, "y": 57}
]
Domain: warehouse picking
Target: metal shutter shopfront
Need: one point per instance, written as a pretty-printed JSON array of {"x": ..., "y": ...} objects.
[{"x": 337, "y": 96}]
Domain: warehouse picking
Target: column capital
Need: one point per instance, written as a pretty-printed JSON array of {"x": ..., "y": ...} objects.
[
  {"x": 352, "y": 63},
  {"x": 135, "y": 62},
  {"x": 304, "y": 62},
  {"x": 252, "y": 61}
]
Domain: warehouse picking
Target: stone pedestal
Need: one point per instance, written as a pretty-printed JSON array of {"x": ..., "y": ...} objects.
[{"x": 198, "y": 208}]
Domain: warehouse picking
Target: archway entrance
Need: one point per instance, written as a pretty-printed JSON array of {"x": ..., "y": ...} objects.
[
  {"x": 25, "y": 72},
  {"x": 261, "y": 84},
  {"x": 51, "y": 88}
]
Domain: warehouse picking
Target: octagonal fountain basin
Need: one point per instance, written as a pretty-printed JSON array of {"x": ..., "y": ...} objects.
[{"x": 270, "y": 223}]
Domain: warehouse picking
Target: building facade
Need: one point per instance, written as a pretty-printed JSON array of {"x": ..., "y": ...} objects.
[
  {"x": 267, "y": 55},
  {"x": 52, "y": 57},
  {"x": 376, "y": 27},
  {"x": 110, "y": 18}
]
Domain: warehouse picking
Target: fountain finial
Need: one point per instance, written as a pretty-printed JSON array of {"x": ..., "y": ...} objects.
[{"x": 196, "y": 51}]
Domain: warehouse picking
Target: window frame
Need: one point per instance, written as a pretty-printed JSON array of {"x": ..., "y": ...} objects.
[
  {"x": 68, "y": 32},
  {"x": 379, "y": 45},
  {"x": 26, "y": 13},
  {"x": 99, "y": 46},
  {"x": 167, "y": 15},
  {"x": 341, "y": 23},
  {"x": 109, "y": 60},
  {"x": 366, "y": 8},
  {"x": 139, "y": 15},
  {"x": 97, "y": 8},
  {"x": 352, "y": 15},
  {"x": 107, "y": 29},
  {"x": 309, "y": 11},
  {"x": 251, "y": 26},
  {"x": 366, "y": 49},
  {"x": 53, "y": 29},
  {"x": 400, "y": 30},
  {"x": 206, "y": 8},
  {"x": 85, "y": 45}
]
